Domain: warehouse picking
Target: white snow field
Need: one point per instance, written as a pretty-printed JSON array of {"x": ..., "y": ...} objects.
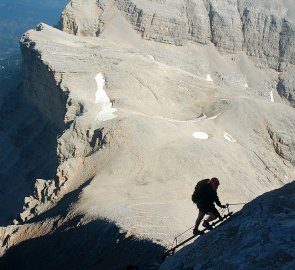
[
  {"x": 103, "y": 100},
  {"x": 201, "y": 135}
]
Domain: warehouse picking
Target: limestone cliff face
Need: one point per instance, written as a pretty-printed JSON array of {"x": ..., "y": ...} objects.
[
  {"x": 262, "y": 29},
  {"x": 68, "y": 141},
  {"x": 286, "y": 86},
  {"x": 172, "y": 22},
  {"x": 88, "y": 24},
  {"x": 230, "y": 25},
  {"x": 42, "y": 86}
]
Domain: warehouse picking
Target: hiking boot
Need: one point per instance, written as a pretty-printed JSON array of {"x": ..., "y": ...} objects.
[
  {"x": 197, "y": 232},
  {"x": 207, "y": 225}
]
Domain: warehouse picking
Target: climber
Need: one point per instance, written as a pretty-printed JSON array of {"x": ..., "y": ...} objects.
[{"x": 204, "y": 196}]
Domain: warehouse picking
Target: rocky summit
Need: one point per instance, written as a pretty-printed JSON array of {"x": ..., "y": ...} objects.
[{"x": 123, "y": 107}]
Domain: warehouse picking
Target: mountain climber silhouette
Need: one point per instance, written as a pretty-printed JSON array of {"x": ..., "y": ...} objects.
[{"x": 204, "y": 196}]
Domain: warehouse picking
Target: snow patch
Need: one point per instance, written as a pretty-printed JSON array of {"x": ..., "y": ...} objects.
[
  {"x": 209, "y": 79},
  {"x": 179, "y": 121},
  {"x": 271, "y": 96},
  {"x": 229, "y": 137},
  {"x": 103, "y": 100},
  {"x": 201, "y": 135},
  {"x": 213, "y": 117},
  {"x": 246, "y": 85},
  {"x": 198, "y": 119},
  {"x": 151, "y": 57},
  {"x": 195, "y": 120}
]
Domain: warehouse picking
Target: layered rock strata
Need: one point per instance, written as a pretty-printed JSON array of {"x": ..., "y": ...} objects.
[
  {"x": 263, "y": 30},
  {"x": 136, "y": 122}
]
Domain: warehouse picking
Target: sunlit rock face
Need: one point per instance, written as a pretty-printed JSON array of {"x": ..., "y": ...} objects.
[
  {"x": 132, "y": 103},
  {"x": 264, "y": 30}
]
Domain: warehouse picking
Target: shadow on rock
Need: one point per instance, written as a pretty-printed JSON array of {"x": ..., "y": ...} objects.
[
  {"x": 95, "y": 245},
  {"x": 28, "y": 143}
]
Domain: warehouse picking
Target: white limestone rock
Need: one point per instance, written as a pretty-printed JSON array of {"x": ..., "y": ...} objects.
[
  {"x": 82, "y": 18},
  {"x": 138, "y": 169}
]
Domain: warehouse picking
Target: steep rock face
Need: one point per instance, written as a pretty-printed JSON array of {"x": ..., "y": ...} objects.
[
  {"x": 263, "y": 29},
  {"x": 262, "y": 35},
  {"x": 198, "y": 22},
  {"x": 268, "y": 35},
  {"x": 260, "y": 236},
  {"x": 287, "y": 43},
  {"x": 89, "y": 25},
  {"x": 283, "y": 143},
  {"x": 226, "y": 25},
  {"x": 286, "y": 87},
  {"x": 67, "y": 142},
  {"x": 172, "y": 22},
  {"x": 260, "y": 28},
  {"x": 28, "y": 142},
  {"x": 41, "y": 87}
]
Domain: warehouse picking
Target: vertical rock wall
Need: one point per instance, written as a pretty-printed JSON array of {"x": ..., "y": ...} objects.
[
  {"x": 40, "y": 86},
  {"x": 88, "y": 23},
  {"x": 263, "y": 29}
]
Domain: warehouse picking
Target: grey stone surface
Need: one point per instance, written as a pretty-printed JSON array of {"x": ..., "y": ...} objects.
[
  {"x": 286, "y": 86},
  {"x": 262, "y": 29},
  {"x": 226, "y": 25},
  {"x": 89, "y": 24},
  {"x": 118, "y": 109}
]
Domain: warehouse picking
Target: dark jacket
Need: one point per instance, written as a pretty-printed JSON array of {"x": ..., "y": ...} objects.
[{"x": 206, "y": 197}]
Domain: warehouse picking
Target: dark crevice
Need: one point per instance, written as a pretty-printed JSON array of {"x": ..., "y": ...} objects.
[{"x": 210, "y": 14}]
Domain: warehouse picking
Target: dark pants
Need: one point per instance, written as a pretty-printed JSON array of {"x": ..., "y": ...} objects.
[{"x": 210, "y": 211}]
